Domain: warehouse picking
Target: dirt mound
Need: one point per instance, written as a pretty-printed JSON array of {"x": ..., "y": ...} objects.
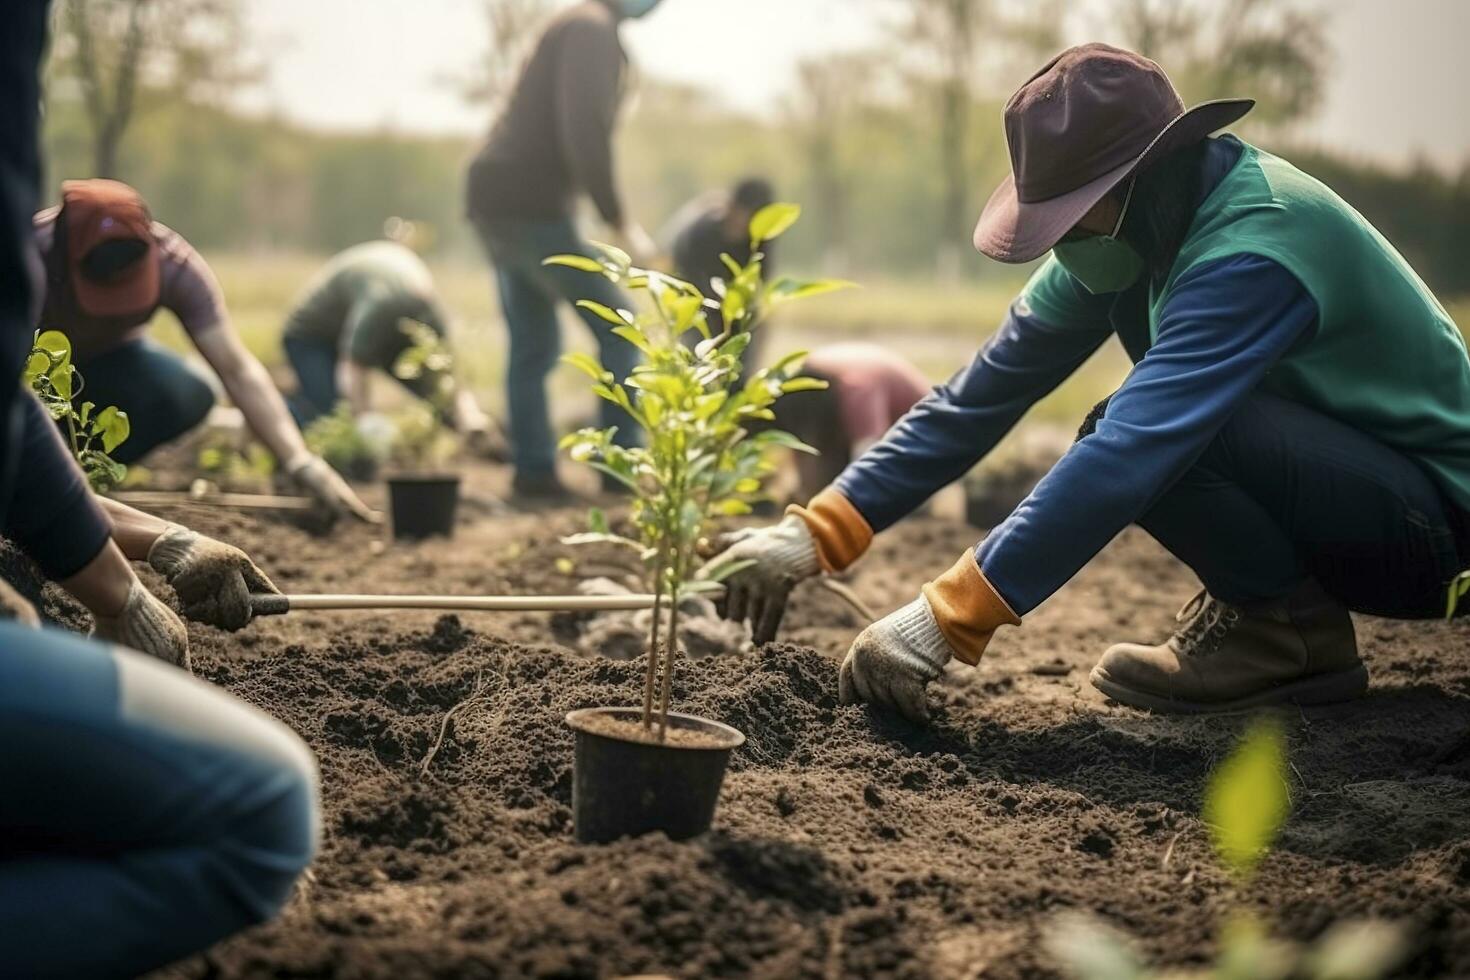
[{"x": 847, "y": 843}]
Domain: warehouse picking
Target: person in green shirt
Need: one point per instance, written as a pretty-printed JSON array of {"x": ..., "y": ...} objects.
[
  {"x": 1295, "y": 428},
  {"x": 356, "y": 316}
]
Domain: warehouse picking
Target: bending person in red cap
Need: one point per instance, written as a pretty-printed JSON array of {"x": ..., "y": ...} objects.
[
  {"x": 1296, "y": 426},
  {"x": 109, "y": 268},
  {"x": 869, "y": 388}
]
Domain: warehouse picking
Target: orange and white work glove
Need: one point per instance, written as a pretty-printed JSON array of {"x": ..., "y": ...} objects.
[
  {"x": 316, "y": 477},
  {"x": 893, "y": 661},
  {"x": 782, "y": 556},
  {"x": 826, "y": 535},
  {"x": 214, "y": 580},
  {"x": 148, "y": 626}
]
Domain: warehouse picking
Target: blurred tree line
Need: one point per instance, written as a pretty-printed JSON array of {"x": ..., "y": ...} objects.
[{"x": 891, "y": 150}]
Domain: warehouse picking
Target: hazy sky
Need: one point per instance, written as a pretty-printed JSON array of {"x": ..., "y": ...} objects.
[{"x": 1396, "y": 88}]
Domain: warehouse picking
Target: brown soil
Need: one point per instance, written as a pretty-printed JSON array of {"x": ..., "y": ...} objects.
[
  {"x": 847, "y": 843},
  {"x": 633, "y": 731}
]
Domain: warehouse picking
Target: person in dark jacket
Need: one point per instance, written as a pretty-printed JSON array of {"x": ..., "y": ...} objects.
[
  {"x": 146, "y": 814},
  {"x": 717, "y": 224},
  {"x": 552, "y": 144},
  {"x": 109, "y": 269},
  {"x": 1295, "y": 429}
]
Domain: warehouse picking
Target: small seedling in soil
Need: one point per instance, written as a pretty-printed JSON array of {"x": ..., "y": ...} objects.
[
  {"x": 1246, "y": 804},
  {"x": 338, "y": 439},
  {"x": 698, "y": 461},
  {"x": 422, "y": 441},
  {"x": 92, "y": 434}
]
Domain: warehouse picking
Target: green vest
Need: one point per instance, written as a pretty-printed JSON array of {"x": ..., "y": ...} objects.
[{"x": 1385, "y": 358}]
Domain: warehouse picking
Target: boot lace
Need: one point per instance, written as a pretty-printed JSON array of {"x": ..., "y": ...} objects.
[{"x": 1205, "y": 622}]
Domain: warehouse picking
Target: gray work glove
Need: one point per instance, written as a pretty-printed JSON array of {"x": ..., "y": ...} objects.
[
  {"x": 146, "y": 625},
  {"x": 892, "y": 662},
  {"x": 316, "y": 477},
  {"x": 214, "y": 580},
  {"x": 15, "y": 606},
  {"x": 783, "y": 555}
]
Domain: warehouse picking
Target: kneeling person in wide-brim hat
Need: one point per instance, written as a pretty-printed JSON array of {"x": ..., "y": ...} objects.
[{"x": 1296, "y": 427}]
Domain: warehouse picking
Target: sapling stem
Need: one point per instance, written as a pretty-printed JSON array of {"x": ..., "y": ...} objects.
[
  {"x": 653, "y": 652},
  {"x": 671, "y": 645}
]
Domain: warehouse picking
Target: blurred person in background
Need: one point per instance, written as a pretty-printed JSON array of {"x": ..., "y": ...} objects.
[
  {"x": 356, "y": 317},
  {"x": 551, "y": 144},
  {"x": 1295, "y": 429},
  {"x": 869, "y": 388},
  {"x": 146, "y": 814},
  {"x": 109, "y": 269},
  {"x": 718, "y": 224}
]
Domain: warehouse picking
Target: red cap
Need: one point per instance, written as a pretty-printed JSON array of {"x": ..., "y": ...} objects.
[{"x": 99, "y": 211}]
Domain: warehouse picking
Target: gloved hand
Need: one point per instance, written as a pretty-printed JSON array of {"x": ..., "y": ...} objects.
[
  {"x": 148, "y": 626},
  {"x": 15, "y": 606},
  {"x": 213, "y": 580},
  {"x": 892, "y": 662},
  {"x": 317, "y": 478},
  {"x": 784, "y": 555}
]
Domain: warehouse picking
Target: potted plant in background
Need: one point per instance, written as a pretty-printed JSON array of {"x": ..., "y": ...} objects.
[
  {"x": 641, "y": 769},
  {"x": 423, "y": 493}
]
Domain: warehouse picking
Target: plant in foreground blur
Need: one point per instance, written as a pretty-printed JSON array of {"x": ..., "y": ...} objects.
[
  {"x": 698, "y": 460},
  {"x": 422, "y": 440},
  {"x": 1246, "y": 804},
  {"x": 91, "y": 434},
  {"x": 339, "y": 439}
]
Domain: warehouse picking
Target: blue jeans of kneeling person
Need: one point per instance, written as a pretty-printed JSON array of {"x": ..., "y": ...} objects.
[
  {"x": 1284, "y": 493},
  {"x": 529, "y": 293},
  {"x": 163, "y": 395},
  {"x": 145, "y": 814}
]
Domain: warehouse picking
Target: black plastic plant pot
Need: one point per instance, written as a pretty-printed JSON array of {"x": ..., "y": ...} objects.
[
  {"x": 422, "y": 506},
  {"x": 623, "y": 787}
]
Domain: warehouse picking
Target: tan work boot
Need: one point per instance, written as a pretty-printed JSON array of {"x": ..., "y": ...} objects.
[{"x": 1225, "y": 658}]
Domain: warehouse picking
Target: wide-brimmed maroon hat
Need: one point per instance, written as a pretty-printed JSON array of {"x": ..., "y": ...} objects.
[
  {"x": 1080, "y": 126},
  {"x": 95, "y": 212}
]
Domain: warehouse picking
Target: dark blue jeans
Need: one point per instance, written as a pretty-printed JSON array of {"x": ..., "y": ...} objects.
[
  {"x": 529, "y": 293},
  {"x": 163, "y": 396},
  {"x": 1285, "y": 492},
  {"x": 145, "y": 813},
  {"x": 315, "y": 364}
]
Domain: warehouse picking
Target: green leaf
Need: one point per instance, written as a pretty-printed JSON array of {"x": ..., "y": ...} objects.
[
  {"x": 635, "y": 337},
  {"x": 580, "y": 262},
  {"x": 113, "y": 426},
  {"x": 589, "y": 366},
  {"x": 615, "y": 255},
  {"x": 36, "y": 367},
  {"x": 785, "y": 289},
  {"x": 785, "y": 440},
  {"x": 55, "y": 344},
  {"x": 803, "y": 384},
  {"x": 616, "y": 317},
  {"x": 772, "y": 221},
  {"x": 1359, "y": 950},
  {"x": 1247, "y": 799},
  {"x": 1457, "y": 589},
  {"x": 597, "y": 520}
]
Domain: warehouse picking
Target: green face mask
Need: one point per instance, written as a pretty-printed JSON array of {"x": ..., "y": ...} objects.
[{"x": 1102, "y": 263}]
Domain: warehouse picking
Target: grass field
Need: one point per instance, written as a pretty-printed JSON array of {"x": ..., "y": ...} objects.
[{"x": 937, "y": 326}]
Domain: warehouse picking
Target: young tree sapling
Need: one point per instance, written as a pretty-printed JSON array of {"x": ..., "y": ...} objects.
[{"x": 697, "y": 461}]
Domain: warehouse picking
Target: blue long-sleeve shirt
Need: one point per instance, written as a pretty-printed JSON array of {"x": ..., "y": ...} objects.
[{"x": 1225, "y": 324}]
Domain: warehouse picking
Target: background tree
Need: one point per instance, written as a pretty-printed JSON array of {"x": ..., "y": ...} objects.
[
  {"x": 952, "y": 52},
  {"x": 512, "y": 27},
  {"x": 123, "y": 55},
  {"x": 831, "y": 92},
  {"x": 1275, "y": 51}
]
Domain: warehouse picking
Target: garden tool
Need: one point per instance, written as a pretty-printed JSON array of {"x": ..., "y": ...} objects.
[{"x": 279, "y": 605}]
